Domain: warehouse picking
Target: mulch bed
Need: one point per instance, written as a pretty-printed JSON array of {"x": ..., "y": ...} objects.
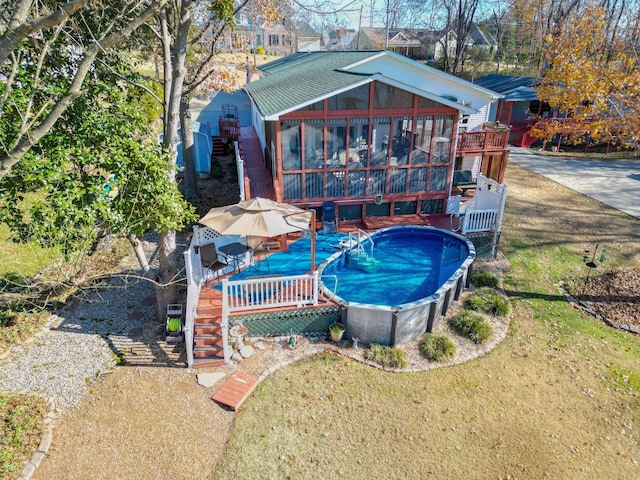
[{"x": 614, "y": 295}]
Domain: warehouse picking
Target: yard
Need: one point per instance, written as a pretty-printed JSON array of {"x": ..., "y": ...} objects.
[{"x": 558, "y": 398}]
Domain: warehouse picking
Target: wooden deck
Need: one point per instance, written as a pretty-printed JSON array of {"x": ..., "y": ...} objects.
[
  {"x": 375, "y": 223},
  {"x": 236, "y": 390}
]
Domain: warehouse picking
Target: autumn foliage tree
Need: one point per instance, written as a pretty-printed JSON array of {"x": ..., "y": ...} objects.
[{"x": 592, "y": 79}]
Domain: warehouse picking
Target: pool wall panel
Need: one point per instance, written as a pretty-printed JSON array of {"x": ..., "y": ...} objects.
[
  {"x": 412, "y": 323},
  {"x": 370, "y": 324}
]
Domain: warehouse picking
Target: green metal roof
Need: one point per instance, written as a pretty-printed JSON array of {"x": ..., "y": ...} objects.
[{"x": 303, "y": 77}]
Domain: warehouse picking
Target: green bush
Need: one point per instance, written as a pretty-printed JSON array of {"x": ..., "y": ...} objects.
[
  {"x": 471, "y": 325},
  {"x": 484, "y": 278},
  {"x": 489, "y": 301},
  {"x": 436, "y": 347},
  {"x": 259, "y": 51},
  {"x": 386, "y": 356}
]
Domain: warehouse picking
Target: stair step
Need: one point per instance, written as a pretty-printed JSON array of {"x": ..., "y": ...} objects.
[
  {"x": 208, "y": 362},
  {"x": 208, "y": 339},
  {"x": 207, "y": 329},
  {"x": 208, "y": 351}
]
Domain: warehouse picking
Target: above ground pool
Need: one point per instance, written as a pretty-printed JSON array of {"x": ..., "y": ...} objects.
[{"x": 397, "y": 283}]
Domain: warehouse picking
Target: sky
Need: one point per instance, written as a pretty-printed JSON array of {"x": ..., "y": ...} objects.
[{"x": 352, "y": 12}]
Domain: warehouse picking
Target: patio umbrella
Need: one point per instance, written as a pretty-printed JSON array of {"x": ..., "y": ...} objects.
[{"x": 259, "y": 217}]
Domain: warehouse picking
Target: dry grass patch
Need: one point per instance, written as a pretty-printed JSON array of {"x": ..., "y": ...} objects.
[
  {"x": 559, "y": 398},
  {"x": 520, "y": 411}
]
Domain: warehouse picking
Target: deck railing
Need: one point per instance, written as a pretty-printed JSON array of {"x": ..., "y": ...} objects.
[
  {"x": 194, "y": 280},
  {"x": 269, "y": 292},
  {"x": 482, "y": 141},
  {"x": 479, "y": 221}
]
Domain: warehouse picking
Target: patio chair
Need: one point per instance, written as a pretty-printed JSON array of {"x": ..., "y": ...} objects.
[
  {"x": 212, "y": 261},
  {"x": 329, "y": 217},
  {"x": 260, "y": 255}
]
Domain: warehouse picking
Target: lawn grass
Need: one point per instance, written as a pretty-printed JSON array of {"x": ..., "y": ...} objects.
[
  {"x": 23, "y": 260},
  {"x": 558, "y": 398},
  {"x": 21, "y": 421}
]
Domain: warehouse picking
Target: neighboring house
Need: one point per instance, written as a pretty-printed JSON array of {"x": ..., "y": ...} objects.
[
  {"x": 438, "y": 44},
  {"x": 288, "y": 37},
  {"x": 519, "y": 105},
  {"x": 375, "y": 132},
  {"x": 420, "y": 44},
  {"x": 339, "y": 39},
  {"x": 305, "y": 37},
  {"x": 481, "y": 39},
  {"x": 276, "y": 40},
  {"x": 401, "y": 41}
]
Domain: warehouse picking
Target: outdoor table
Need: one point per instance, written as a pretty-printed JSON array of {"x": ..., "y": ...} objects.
[{"x": 234, "y": 252}]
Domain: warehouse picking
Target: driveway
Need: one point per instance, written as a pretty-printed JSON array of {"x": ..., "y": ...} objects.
[{"x": 613, "y": 182}]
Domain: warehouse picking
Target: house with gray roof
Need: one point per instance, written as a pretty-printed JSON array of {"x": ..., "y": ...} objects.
[
  {"x": 373, "y": 131},
  {"x": 519, "y": 105},
  {"x": 420, "y": 43}
]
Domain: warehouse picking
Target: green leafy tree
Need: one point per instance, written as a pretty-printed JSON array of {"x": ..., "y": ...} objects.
[
  {"x": 60, "y": 42},
  {"x": 97, "y": 170}
]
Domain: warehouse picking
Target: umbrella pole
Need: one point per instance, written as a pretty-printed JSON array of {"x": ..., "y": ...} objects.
[{"x": 313, "y": 240}]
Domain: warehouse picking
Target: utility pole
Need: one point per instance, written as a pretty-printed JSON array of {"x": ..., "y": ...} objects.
[
  {"x": 359, "y": 29},
  {"x": 386, "y": 33}
]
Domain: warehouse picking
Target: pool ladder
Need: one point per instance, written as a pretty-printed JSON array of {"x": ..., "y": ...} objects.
[
  {"x": 335, "y": 283},
  {"x": 356, "y": 238}
]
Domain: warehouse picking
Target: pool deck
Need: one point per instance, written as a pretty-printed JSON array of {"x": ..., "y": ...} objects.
[{"x": 295, "y": 259}]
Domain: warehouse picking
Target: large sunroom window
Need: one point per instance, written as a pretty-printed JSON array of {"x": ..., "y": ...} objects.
[{"x": 354, "y": 99}]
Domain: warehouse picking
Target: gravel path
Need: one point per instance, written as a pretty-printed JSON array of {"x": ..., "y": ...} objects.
[
  {"x": 81, "y": 343},
  {"x": 86, "y": 339}
]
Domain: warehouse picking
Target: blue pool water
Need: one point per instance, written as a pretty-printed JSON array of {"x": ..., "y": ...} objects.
[{"x": 408, "y": 264}]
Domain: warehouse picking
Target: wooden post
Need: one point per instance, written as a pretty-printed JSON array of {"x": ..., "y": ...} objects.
[{"x": 313, "y": 240}]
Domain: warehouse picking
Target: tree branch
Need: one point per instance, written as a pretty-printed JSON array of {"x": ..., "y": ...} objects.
[
  {"x": 18, "y": 30},
  {"x": 8, "y": 161}
]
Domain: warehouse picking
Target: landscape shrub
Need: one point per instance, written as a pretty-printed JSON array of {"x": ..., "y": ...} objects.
[
  {"x": 489, "y": 301},
  {"x": 259, "y": 51},
  {"x": 484, "y": 278},
  {"x": 471, "y": 325},
  {"x": 389, "y": 357},
  {"x": 436, "y": 347}
]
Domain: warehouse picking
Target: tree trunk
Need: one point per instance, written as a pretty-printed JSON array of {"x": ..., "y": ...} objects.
[
  {"x": 188, "y": 150},
  {"x": 166, "y": 290},
  {"x": 166, "y": 287},
  {"x": 164, "y": 279}
]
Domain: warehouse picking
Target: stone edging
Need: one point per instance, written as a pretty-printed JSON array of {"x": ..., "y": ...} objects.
[
  {"x": 574, "y": 302},
  {"x": 41, "y": 452}
]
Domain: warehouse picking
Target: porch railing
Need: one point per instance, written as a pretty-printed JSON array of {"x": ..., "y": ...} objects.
[
  {"x": 479, "y": 220},
  {"x": 269, "y": 292},
  {"x": 482, "y": 141},
  {"x": 193, "y": 271}
]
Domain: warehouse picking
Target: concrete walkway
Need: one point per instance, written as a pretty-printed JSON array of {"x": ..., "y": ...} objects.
[{"x": 613, "y": 182}]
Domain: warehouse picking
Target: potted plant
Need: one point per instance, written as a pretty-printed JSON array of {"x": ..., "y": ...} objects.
[{"x": 336, "y": 330}]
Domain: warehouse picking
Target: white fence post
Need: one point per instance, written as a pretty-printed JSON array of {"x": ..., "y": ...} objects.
[{"x": 193, "y": 293}]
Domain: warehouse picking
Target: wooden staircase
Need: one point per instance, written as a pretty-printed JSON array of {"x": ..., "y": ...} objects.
[
  {"x": 208, "y": 350},
  {"x": 218, "y": 149}
]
